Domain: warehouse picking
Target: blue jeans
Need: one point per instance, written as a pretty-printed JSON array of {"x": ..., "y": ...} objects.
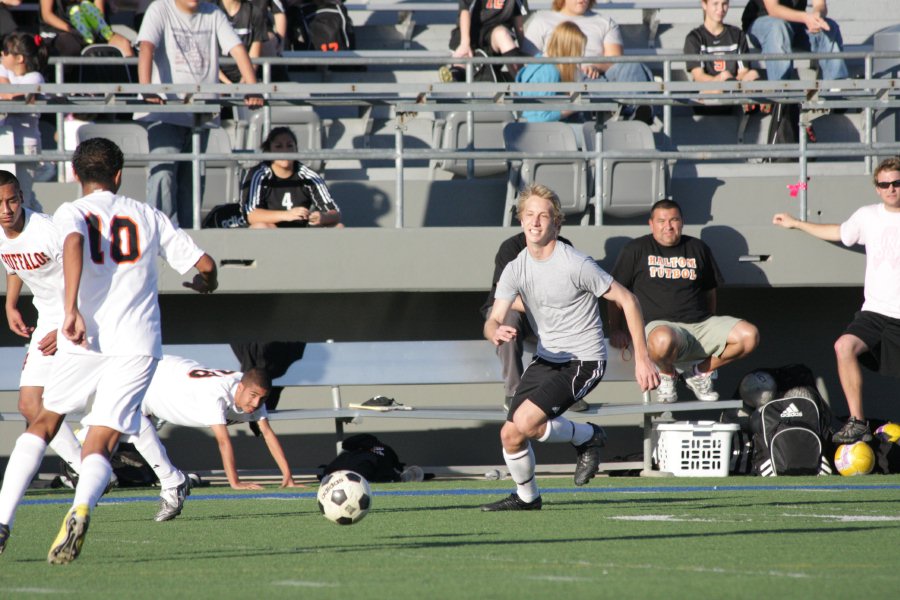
[
  {"x": 627, "y": 72},
  {"x": 774, "y": 36},
  {"x": 169, "y": 185}
]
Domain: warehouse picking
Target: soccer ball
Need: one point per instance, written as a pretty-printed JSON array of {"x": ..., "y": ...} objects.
[
  {"x": 757, "y": 389},
  {"x": 344, "y": 497},
  {"x": 854, "y": 459},
  {"x": 889, "y": 432}
]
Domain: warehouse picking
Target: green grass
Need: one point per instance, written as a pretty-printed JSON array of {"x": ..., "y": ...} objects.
[{"x": 622, "y": 538}]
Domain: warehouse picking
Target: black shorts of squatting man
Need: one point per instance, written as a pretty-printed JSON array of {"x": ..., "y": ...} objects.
[
  {"x": 554, "y": 387},
  {"x": 882, "y": 335}
]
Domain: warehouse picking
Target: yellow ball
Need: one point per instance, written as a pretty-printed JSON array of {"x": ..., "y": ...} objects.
[
  {"x": 854, "y": 459},
  {"x": 889, "y": 432}
]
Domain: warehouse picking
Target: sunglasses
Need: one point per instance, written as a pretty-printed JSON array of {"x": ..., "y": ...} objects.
[{"x": 883, "y": 185}]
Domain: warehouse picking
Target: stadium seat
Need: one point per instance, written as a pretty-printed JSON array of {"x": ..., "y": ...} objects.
[
  {"x": 567, "y": 177},
  {"x": 628, "y": 187},
  {"x": 488, "y": 133},
  {"x": 221, "y": 175},
  {"x": 107, "y": 73},
  {"x": 304, "y": 122}
]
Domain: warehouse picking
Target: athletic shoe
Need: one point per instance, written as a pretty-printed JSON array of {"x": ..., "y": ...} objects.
[
  {"x": 451, "y": 74},
  {"x": 666, "y": 392},
  {"x": 4, "y": 536},
  {"x": 702, "y": 385},
  {"x": 589, "y": 456},
  {"x": 171, "y": 500},
  {"x": 513, "y": 502},
  {"x": 853, "y": 430},
  {"x": 70, "y": 538}
]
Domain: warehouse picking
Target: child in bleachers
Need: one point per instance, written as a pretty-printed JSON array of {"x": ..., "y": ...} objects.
[
  {"x": 718, "y": 39},
  {"x": 24, "y": 58},
  {"x": 567, "y": 39},
  {"x": 487, "y": 27},
  {"x": 88, "y": 20}
]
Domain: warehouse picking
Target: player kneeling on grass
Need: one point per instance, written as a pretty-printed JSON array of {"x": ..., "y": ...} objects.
[
  {"x": 557, "y": 287},
  {"x": 110, "y": 342}
]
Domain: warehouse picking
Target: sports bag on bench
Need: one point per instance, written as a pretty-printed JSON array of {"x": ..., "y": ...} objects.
[
  {"x": 790, "y": 435},
  {"x": 321, "y": 25}
]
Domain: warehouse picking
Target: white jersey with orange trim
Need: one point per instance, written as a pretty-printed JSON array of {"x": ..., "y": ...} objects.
[
  {"x": 184, "y": 392},
  {"x": 118, "y": 291},
  {"x": 35, "y": 255}
]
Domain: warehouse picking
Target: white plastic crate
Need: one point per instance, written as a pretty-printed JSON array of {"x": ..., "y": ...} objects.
[{"x": 695, "y": 448}]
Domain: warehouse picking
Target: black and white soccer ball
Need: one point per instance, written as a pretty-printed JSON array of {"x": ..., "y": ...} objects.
[
  {"x": 344, "y": 497},
  {"x": 757, "y": 389}
]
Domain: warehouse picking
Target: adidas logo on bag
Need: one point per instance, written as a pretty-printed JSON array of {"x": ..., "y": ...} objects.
[{"x": 791, "y": 412}]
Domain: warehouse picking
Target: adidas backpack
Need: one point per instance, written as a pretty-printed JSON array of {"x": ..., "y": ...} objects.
[{"x": 791, "y": 435}]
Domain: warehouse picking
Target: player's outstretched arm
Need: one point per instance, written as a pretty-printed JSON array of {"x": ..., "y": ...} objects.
[
  {"x": 494, "y": 330},
  {"x": 277, "y": 452},
  {"x": 227, "y": 452},
  {"x": 73, "y": 326},
  {"x": 206, "y": 281},
  {"x": 830, "y": 232},
  {"x": 13, "y": 316},
  {"x": 645, "y": 372}
]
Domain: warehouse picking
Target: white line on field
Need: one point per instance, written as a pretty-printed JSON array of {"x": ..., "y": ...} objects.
[
  {"x": 850, "y": 518},
  {"x": 670, "y": 518},
  {"x": 302, "y": 583}
]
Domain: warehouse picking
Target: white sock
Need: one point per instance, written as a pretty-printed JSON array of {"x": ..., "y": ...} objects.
[
  {"x": 24, "y": 462},
  {"x": 92, "y": 481},
  {"x": 67, "y": 446},
  {"x": 148, "y": 444},
  {"x": 521, "y": 469},
  {"x": 561, "y": 430}
]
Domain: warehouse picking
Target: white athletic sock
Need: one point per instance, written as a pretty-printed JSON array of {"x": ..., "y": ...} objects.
[
  {"x": 67, "y": 446},
  {"x": 561, "y": 430},
  {"x": 24, "y": 462},
  {"x": 521, "y": 469},
  {"x": 92, "y": 481},
  {"x": 148, "y": 444}
]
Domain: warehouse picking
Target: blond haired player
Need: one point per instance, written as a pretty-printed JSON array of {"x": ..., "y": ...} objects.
[
  {"x": 31, "y": 253},
  {"x": 111, "y": 331}
]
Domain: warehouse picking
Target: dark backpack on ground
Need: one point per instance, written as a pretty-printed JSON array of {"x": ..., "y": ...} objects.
[
  {"x": 367, "y": 455},
  {"x": 791, "y": 435},
  {"x": 225, "y": 216},
  {"x": 322, "y": 25}
]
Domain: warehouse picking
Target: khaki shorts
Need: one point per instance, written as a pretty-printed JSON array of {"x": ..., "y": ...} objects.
[{"x": 699, "y": 340}]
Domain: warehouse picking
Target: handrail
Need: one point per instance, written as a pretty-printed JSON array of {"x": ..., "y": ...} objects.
[{"x": 406, "y": 99}]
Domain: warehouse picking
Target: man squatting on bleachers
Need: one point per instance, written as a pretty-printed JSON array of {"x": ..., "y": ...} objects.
[{"x": 557, "y": 287}]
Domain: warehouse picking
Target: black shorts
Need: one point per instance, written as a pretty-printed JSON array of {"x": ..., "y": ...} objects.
[
  {"x": 554, "y": 387},
  {"x": 882, "y": 335}
]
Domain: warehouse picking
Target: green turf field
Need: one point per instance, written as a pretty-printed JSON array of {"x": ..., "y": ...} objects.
[{"x": 619, "y": 537}]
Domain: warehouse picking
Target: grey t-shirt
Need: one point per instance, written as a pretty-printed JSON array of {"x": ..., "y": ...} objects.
[
  {"x": 560, "y": 296},
  {"x": 187, "y": 48}
]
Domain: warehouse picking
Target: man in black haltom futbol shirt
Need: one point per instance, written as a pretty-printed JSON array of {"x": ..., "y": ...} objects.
[
  {"x": 493, "y": 27},
  {"x": 249, "y": 23},
  {"x": 675, "y": 277}
]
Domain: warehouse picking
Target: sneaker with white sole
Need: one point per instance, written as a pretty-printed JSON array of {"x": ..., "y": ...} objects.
[
  {"x": 666, "y": 392},
  {"x": 702, "y": 385},
  {"x": 171, "y": 500},
  {"x": 67, "y": 545}
]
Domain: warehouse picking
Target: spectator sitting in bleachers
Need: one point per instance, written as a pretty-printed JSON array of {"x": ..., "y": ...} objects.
[
  {"x": 603, "y": 39},
  {"x": 65, "y": 38},
  {"x": 249, "y": 23},
  {"x": 89, "y": 21},
  {"x": 285, "y": 192},
  {"x": 782, "y": 26},
  {"x": 24, "y": 58},
  {"x": 488, "y": 28},
  {"x": 567, "y": 40}
]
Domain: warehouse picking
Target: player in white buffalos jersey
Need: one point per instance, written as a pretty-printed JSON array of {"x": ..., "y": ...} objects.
[
  {"x": 31, "y": 253},
  {"x": 111, "y": 337}
]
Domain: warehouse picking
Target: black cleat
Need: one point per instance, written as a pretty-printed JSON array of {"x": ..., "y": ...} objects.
[
  {"x": 513, "y": 502},
  {"x": 853, "y": 430},
  {"x": 589, "y": 456}
]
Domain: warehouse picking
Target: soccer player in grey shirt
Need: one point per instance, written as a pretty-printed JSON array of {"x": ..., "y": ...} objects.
[{"x": 557, "y": 287}]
